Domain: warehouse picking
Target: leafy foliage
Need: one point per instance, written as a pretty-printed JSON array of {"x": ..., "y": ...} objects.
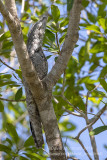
[
  {"x": 86, "y": 69},
  {"x": 98, "y": 130}
]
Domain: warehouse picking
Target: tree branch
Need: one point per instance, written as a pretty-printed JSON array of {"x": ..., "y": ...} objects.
[
  {"x": 84, "y": 148},
  {"x": 11, "y": 6},
  {"x": 20, "y": 118},
  {"x": 78, "y": 110},
  {"x": 73, "y": 113},
  {"x": 12, "y": 100},
  {"x": 92, "y": 137},
  {"x": 7, "y": 65},
  {"x": 9, "y": 12},
  {"x": 68, "y": 46},
  {"x": 97, "y": 116},
  {"x": 93, "y": 143}
]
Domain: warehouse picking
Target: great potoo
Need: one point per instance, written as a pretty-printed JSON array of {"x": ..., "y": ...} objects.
[{"x": 34, "y": 46}]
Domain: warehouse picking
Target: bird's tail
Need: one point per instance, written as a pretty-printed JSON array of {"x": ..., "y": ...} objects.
[{"x": 35, "y": 120}]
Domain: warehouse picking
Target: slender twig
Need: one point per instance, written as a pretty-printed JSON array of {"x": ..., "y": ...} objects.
[
  {"x": 7, "y": 65},
  {"x": 73, "y": 113},
  {"x": 86, "y": 105},
  {"x": 73, "y": 158},
  {"x": 94, "y": 88},
  {"x": 45, "y": 151},
  {"x": 55, "y": 100},
  {"x": 23, "y": 5},
  {"x": 97, "y": 116},
  {"x": 94, "y": 96},
  {"x": 63, "y": 85},
  {"x": 11, "y": 100},
  {"x": 78, "y": 110},
  {"x": 92, "y": 121},
  {"x": 20, "y": 118},
  {"x": 90, "y": 128},
  {"x": 102, "y": 121},
  {"x": 83, "y": 130},
  {"x": 80, "y": 142},
  {"x": 100, "y": 118},
  {"x": 58, "y": 43},
  {"x": 93, "y": 144}
]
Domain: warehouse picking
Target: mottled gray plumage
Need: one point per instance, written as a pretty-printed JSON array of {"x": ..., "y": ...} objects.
[{"x": 34, "y": 46}]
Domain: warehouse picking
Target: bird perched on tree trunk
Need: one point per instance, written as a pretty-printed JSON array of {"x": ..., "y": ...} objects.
[{"x": 34, "y": 46}]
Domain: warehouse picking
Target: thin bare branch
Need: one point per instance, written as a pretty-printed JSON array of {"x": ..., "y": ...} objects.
[
  {"x": 78, "y": 110},
  {"x": 12, "y": 100},
  {"x": 58, "y": 43},
  {"x": 23, "y": 5},
  {"x": 20, "y": 118},
  {"x": 97, "y": 116},
  {"x": 7, "y": 65},
  {"x": 93, "y": 120},
  {"x": 71, "y": 157},
  {"x": 83, "y": 130},
  {"x": 89, "y": 126},
  {"x": 84, "y": 148},
  {"x": 86, "y": 105},
  {"x": 73, "y": 113},
  {"x": 93, "y": 143},
  {"x": 63, "y": 85}
]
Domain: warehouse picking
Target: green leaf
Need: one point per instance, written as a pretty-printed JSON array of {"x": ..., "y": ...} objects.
[
  {"x": 102, "y": 23},
  {"x": 61, "y": 40},
  {"x": 103, "y": 83},
  {"x": 19, "y": 72},
  {"x": 82, "y": 56},
  {"x": 91, "y": 17},
  {"x": 31, "y": 156},
  {"x": 1, "y": 107},
  {"x": 48, "y": 56},
  {"x": 5, "y": 149},
  {"x": 35, "y": 19},
  {"x": 12, "y": 131},
  {"x": 103, "y": 72},
  {"x": 105, "y": 57},
  {"x": 97, "y": 93},
  {"x": 23, "y": 158},
  {"x": 93, "y": 28},
  {"x": 50, "y": 35},
  {"x": 87, "y": 80},
  {"x": 5, "y": 36},
  {"x": 18, "y": 94},
  {"x": 85, "y": 3},
  {"x": 25, "y": 16},
  {"x": 5, "y": 76},
  {"x": 69, "y": 4},
  {"x": 29, "y": 142},
  {"x": 9, "y": 141},
  {"x": 7, "y": 44},
  {"x": 98, "y": 130},
  {"x": 55, "y": 13},
  {"x": 64, "y": 22},
  {"x": 102, "y": 12},
  {"x": 97, "y": 48}
]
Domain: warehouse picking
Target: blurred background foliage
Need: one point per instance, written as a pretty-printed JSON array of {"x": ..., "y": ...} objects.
[{"x": 86, "y": 72}]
